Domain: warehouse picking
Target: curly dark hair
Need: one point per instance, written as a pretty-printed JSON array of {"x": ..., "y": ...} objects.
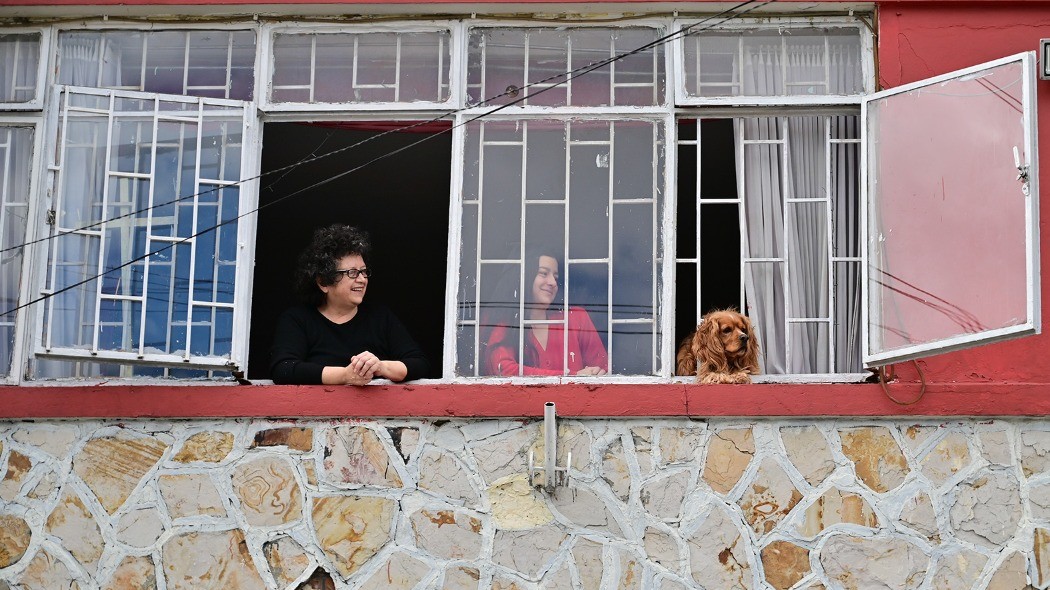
[{"x": 317, "y": 263}]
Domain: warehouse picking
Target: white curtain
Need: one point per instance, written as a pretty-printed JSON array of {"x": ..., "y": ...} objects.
[
  {"x": 16, "y": 149},
  {"x": 788, "y": 160},
  {"x": 791, "y": 238},
  {"x": 89, "y": 59},
  {"x": 19, "y": 58}
]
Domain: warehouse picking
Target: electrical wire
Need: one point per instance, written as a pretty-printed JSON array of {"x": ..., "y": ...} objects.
[
  {"x": 569, "y": 75},
  {"x": 583, "y": 70}
]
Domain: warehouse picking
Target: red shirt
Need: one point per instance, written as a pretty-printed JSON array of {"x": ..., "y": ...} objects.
[{"x": 585, "y": 348}]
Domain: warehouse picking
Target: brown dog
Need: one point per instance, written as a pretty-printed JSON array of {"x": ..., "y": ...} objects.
[{"x": 723, "y": 349}]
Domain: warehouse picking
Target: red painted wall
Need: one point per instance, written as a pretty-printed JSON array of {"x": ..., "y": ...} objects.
[{"x": 922, "y": 39}]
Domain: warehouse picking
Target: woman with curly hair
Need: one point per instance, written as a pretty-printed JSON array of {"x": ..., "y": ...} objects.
[{"x": 334, "y": 337}]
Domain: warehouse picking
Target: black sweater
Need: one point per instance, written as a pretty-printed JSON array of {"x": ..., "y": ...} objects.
[{"x": 305, "y": 342}]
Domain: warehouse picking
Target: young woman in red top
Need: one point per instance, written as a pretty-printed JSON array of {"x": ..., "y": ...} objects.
[{"x": 545, "y": 341}]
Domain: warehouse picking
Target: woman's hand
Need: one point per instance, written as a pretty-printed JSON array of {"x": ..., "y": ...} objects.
[
  {"x": 591, "y": 371},
  {"x": 364, "y": 364},
  {"x": 369, "y": 364}
]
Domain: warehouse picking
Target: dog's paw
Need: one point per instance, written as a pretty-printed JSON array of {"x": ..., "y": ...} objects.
[{"x": 711, "y": 378}]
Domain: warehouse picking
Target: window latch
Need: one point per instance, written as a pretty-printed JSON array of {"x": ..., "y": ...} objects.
[
  {"x": 51, "y": 217},
  {"x": 1022, "y": 172}
]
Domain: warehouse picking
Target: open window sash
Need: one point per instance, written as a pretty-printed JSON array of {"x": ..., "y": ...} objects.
[
  {"x": 951, "y": 202},
  {"x": 144, "y": 263}
]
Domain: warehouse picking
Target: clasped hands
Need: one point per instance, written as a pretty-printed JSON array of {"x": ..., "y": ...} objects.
[{"x": 363, "y": 368}]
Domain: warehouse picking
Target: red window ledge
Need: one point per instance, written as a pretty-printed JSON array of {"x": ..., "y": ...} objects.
[{"x": 489, "y": 401}]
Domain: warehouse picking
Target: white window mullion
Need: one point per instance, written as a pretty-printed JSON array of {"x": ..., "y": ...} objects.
[
  {"x": 699, "y": 216},
  {"x": 478, "y": 356},
  {"x": 655, "y": 232},
  {"x": 99, "y": 269},
  {"x": 354, "y": 62},
  {"x": 149, "y": 230},
  {"x": 102, "y": 66},
  {"x": 397, "y": 70},
  {"x": 827, "y": 65},
  {"x": 313, "y": 66},
  {"x": 565, "y": 229},
  {"x": 786, "y": 254},
  {"x": 229, "y": 64},
  {"x": 741, "y": 186},
  {"x": 568, "y": 67},
  {"x": 524, "y": 321},
  {"x": 784, "y": 65},
  {"x": 193, "y": 230},
  {"x": 829, "y": 228},
  {"x": 441, "y": 65},
  {"x": 525, "y": 72},
  {"x": 610, "y": 245},
  {"x": 56, "y": 204},
  {"x": 186, "y": 63}
]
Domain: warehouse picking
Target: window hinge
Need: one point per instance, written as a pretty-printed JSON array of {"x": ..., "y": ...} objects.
[{"x": 50, "y": 217}]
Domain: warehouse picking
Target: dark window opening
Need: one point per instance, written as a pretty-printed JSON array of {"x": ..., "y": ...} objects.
[
  {"x": 402, "y": 200},
  {"x": 719, "y": 232}
]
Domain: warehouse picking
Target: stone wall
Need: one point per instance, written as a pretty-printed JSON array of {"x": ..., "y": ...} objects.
[{"x": 652, "y": 504}]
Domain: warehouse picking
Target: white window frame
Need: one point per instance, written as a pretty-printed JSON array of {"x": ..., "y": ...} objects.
[
  {"x": 265, "y": 66},
  {"x": 832, "y": 259},
  {"x": 676, "y": 104},
  {"x": 867, "y": 48},
  {"x": 661, "y": 26},
  {"x": 24, "y": 317},
  {"x": 41, "y": 73},
  {"x": 247, "y": 203},
  {"x": 659, "y": 114},
  {"x": 1032, "y": 326},
  {"x": 102, "y": 26}
]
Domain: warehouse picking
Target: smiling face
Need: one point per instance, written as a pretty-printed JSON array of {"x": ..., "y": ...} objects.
[
  {"x": 346, "y": 293},
  {"x": 545, "y": 285}
]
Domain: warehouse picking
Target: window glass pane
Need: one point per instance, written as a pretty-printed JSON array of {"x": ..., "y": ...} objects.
[
  {"x": 19, "y": 62},
  {"x": 530, "y": 67},
  {"x": 847, "y": 317},
  {"x": 949, "y": 239},
  {"x": 545, "y": 304},
  {"x": 16, "y": 163},
  {"x": 157, "y": 266},
  {"x": 781, "y": 234},
  {"x": 361, "y": 67},
  {"x": 774, "y": 62},
  {"x": 208, "y": 63}
]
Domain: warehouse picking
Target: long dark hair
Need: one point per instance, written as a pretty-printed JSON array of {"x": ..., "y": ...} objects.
[
  {"x": 317, "y": 263},
  {"x": 502, "y": 310}
]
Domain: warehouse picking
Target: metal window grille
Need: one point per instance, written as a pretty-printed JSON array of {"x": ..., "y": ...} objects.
[
  {"x": 503, "y": 63},
  {"x": 367, "y": 67},
  {"x": 19, "y": 62},
  {"x": 141, "y": 181},
  {"x": 584, "y": 192},
  {"x": 190, "y": 62},
  {"x": 15, "y": 167},
  {"x": 784, "y": 61},
  {"x": 815, "y": 330}
]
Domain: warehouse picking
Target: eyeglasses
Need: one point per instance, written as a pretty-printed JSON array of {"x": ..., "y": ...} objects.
[{"x": 353, "y": 273}]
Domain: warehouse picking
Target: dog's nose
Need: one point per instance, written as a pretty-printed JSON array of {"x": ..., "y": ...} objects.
[{"x": 743, "y": 337}]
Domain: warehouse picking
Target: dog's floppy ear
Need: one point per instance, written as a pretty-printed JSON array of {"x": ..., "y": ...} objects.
[
  {"x": 707, "y": 348},
  {"x": 749, "y": 364},
  {"x": 685, "y": 360}
]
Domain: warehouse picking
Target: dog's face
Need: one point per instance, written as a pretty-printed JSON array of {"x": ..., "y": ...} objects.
[
  {"x": 731, "y": 328},
  {"x": 724, "y": 342}
]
